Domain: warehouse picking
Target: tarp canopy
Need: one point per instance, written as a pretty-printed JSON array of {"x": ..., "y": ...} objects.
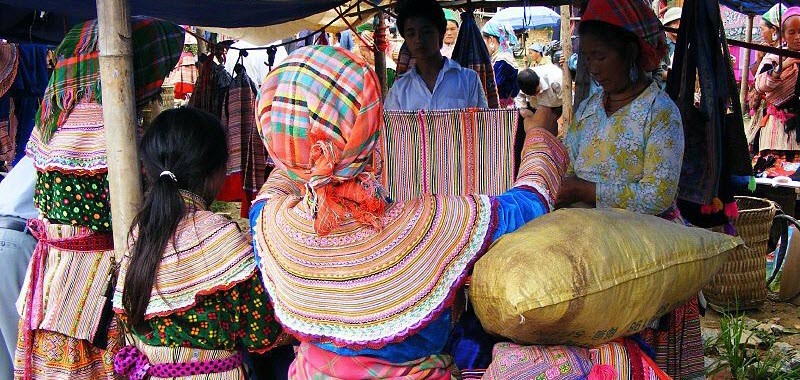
[
  {"x": 218, "y": 13},
  {"x": 755, "y": 7},
  {"x": 264, "y": 35}
]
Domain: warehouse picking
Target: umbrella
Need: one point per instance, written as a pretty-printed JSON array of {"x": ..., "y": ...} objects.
[{"x": 527, "y": 17}]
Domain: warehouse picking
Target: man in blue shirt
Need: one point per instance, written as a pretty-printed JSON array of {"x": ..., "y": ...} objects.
[{"x": 435, "y": 81}]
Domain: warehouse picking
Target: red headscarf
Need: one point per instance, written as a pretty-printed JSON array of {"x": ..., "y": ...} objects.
[{"x": 637, "y": 17}]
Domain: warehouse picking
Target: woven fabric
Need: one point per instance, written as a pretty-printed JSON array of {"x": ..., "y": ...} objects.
[
  {"x": 637, "y": 17},
  {"x": 319, "y": 113},
  {"x": 679, "y": 346},
  {"x": 452, "y": 152},
  {"x": 627, "y": 361},
  {"x": 59, "y": 356},
  {"x": 470, "y": 52},
  {"x": 68, "y": 306},
  {"x": 246, "y": 152},
  {"x": 365, "y": 288},
  {"x": 514, "y": 362},
  {"x": 157, "y": 46},
  {"x": 79, "y": 147},
  {"x": 209, "y": 254},
  {"x": 8, "y": 129},
  {"x": 9, "y": 61},
  {"x": 315, "y": 363}
]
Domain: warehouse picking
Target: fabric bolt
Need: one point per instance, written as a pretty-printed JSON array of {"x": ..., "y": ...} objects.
[
  {"x": 634, "y": 155},
  {"x": 157, "y": 46},
  {"x": 78, "y": 148},
  {"x": 9, "y": 61},
  {"x": 471, "y": 52},
  {"x": 514, "y": 362},
  {"x": 456, "y": 87},
  {"x": 637, "y": 17},
  {"x": 59, "y": 356},
  {"x": 454, "y": 152},
  {"x": 316, "y": 363},
  {"x": 78, "y": 200}
]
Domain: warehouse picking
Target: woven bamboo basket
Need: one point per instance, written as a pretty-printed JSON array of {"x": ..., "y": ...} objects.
[{"x": 741, "y": 283}]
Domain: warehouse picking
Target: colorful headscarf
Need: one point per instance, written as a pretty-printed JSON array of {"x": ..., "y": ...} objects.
[
  {"x": 319, "y": 114},
  {"x": 503, "y": 32},
  {"x": 791, "y": 12},
  {"x": 636, "y": 17},
  {"x": 774, "y": 14},
  {"x": 451, "y": 15},
  {"x": 157, "y": 46}
]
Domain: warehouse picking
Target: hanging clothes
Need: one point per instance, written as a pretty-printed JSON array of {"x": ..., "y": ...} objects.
[
  {"x": 184, "y": 76},
  {"x": 211, "y": 87},
  {"x": 470, "y": 52},
  {"x": 247, "y": 157}
]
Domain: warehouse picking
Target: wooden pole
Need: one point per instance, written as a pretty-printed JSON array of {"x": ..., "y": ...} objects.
[
  {"x": 379, "y": 39},
  {"x": 748, "y": 37},
  {"x": 119, "y": 116},
  {"x": 566, "y": 51}
]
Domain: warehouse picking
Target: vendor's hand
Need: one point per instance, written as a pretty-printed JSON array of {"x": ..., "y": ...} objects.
[
  {"x": 562, "y": 60},
  {"x": 574, "y": 189}
]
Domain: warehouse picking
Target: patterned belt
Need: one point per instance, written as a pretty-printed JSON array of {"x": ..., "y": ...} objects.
[
  {"x": 132, "y": 362},
  {"x": 33, "y": 301}
]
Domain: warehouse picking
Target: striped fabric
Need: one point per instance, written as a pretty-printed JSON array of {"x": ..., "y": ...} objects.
[
  {"x": 365, "y": 288},
  {"x": 449, "y": 152},
  {"x": 9, "y": 62},
  {"x": 79, "y": 147},
  {"x": 74, "y": 286},
  {"x": 637, "y": 17},
  {"x": 8, "y": 130},
  {"x": 471, "y": 52},
  {"x": 246, "y": 152},
  {"x": 211, "y": 255},
  {"x": 628, "y": 361}
]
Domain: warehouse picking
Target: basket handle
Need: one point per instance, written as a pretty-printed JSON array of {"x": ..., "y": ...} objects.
[{"x": 783, "y": 221}]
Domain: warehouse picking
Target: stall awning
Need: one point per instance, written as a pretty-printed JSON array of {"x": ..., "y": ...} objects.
[
  {"x": 219, "y": 13},
  {"x": 755, "y": 7}
]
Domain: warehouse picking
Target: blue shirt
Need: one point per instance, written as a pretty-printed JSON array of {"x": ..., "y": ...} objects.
[{"x": 456, "y": 87}]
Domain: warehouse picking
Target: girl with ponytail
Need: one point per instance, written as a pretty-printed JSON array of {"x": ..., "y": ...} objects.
[{"x": 188, "y": 290}]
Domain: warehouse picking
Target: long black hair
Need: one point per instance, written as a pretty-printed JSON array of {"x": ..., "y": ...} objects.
[{"x": 191, "y": 145}]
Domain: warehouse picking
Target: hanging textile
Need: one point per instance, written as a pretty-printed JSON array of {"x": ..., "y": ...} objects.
[
  {"x": 184, "y": 76},
  {"x": 9, "y": 60},
  {"x": 716, "y": 164},
  {"x": 247, "y": 158},
  {"x": 470, "y": 52},
  {"x": 211, "y": 87},
  {"x": 27, "y": 91},
  {"x": 453, "y": 152}
]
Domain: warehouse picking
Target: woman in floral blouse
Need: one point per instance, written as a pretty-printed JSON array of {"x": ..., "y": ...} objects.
[{"x": 626, "y": 146}]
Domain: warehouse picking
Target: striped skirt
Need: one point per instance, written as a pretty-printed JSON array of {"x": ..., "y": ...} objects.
[{"x": 678, "y": 346}]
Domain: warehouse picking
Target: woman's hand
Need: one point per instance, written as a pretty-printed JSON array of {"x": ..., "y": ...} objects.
[{"x": 574, "y": 189}]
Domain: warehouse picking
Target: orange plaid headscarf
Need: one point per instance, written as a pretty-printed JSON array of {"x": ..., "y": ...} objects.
[{"x": 319, "y": 114}]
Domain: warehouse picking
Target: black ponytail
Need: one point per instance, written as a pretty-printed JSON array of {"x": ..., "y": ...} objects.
[{"x": 182, "y": 149}]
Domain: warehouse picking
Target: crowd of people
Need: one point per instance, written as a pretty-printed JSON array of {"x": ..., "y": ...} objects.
[{"x": 334, "y": 279}]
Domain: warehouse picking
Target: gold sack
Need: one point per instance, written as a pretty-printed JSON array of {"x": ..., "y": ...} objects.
[{"x": 584, "y": 277}]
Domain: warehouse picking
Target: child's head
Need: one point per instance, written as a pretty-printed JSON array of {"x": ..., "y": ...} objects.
[
  {"x": 528, "y": 82},
  {"x": 183, "y": 149}
]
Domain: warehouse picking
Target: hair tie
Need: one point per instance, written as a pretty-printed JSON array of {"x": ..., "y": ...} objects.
[{"x": 170, "y": 174}]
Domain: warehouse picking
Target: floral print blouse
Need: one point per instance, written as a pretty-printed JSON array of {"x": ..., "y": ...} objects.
[{"x": 634, "y": 155}]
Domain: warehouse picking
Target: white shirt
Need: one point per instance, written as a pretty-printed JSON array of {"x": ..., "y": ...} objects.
[
  {"x": 256, "y": 61},
  {"x": 456, "y": 87},
  {"x": 16, "y": 191}
]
